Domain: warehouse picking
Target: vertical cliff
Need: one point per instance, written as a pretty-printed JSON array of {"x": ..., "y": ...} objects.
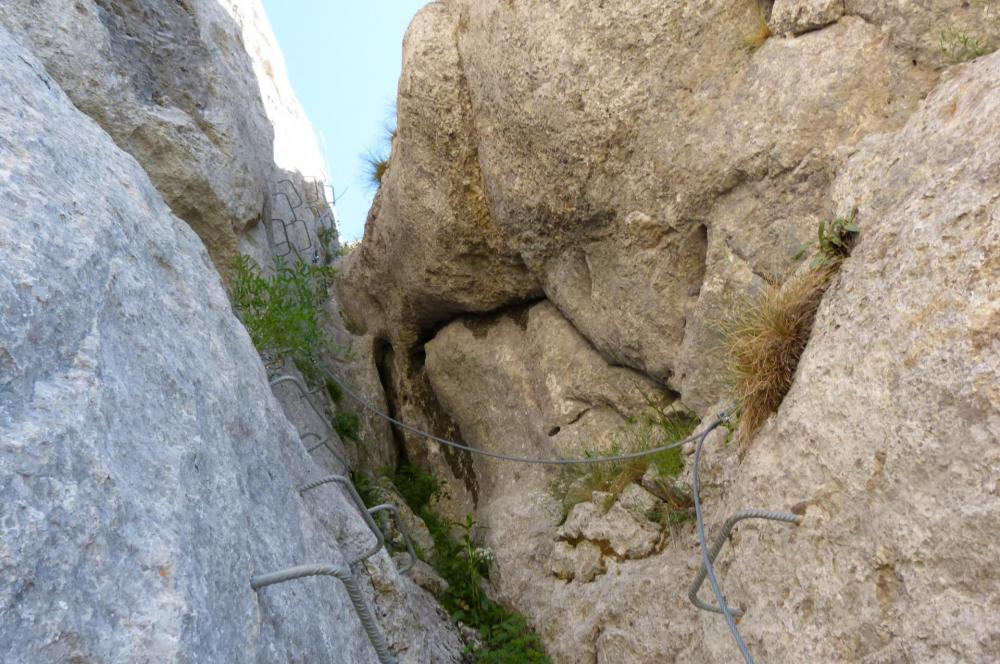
[{"x": 147, "y": 467}]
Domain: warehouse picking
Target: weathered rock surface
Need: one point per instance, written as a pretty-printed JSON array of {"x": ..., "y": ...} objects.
[
  {"x": 638, "y": 160},
  {"x": 647, "y": 167},
  {"x": 173, "y": 85},
  {"x": 894, "y": 448},
  {"x": 147, "y": 468},
  {"x": 527, "y": 383},
  {"x": 892, "y": 454},
  {"x": 626, "y": 533},
  {"x": 148, "y": 471},
  {"x": 449, "y": 256},
  {"x": 794, "y": 17}
]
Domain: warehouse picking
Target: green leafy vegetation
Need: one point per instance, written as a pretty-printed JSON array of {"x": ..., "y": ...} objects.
[
  {"x": 327, "y": 236},
  {"x": 347, "y": 425},
  {"x": 334, "y": 391},
  {"x": 283, "y": 312},
  {"x": 836, "y": 240},
  {"x": 284, "y": 315},
  {"x": 655, "y": 427},
  {"x": 506, "y": 636},
  {"x": 957, "y": 46},
  {"x": 765, "y": 335},
  {"x": 367, "y": 488}
]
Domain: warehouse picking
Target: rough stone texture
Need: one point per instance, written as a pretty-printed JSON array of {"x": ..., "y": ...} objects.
[
  {"x": 891, "y": 453},
  {"x": 895, "y": 452},
  {"x": 581, "y": 562},
  {"x": 915, "y": 28},
  {"x": 147, "y": 470},
  {"x": 173, "y": 85},
  {"x": 640, "y": 162},
  {"x": 449, "y": 257},
  {"x": 355, "y": 367},
  {"x": 527, "y": 383},
  {"x": 619, "y": 528},
  {"x": 793, "y": 17},
  {"x": 299, "y": 173}
]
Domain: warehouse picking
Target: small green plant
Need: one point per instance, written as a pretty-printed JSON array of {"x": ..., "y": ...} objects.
[
  {"x": 367, "y": 488},
  {"x": 765, "y": 335},
  {"x": 506, "y": 636},
  {"x": 655, "y": 427},
  {"x": 327, "y": 236},
  {"x": 334, "y": 390},
  {"x": 836, "y": 240},
  {"x": 957, "y": 46},
  {"x": 347, "y": 425},
  {"x": 283, "y": 312}
]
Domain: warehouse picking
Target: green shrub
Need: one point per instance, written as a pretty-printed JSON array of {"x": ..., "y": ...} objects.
[
  {"x": 283, "y": 312},
  {"x": 507, "y": 638},
  {"x": 367, "y": 488},
  {"x": 334, "y": 390}
]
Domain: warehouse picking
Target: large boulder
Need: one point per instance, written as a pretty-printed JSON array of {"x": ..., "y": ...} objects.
[
  {"x": 639, "y": 163},
  {"x": 888, "y": 444},
  {"x": 431, "y": 249},
  {"x": 147, "y": 470},
  {"x": 524, "y": 383}
]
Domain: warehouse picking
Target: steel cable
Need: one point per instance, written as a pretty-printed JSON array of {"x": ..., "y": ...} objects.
[
  {"x": 507, "y": 457},
  {"x": 707, "y": 562}
]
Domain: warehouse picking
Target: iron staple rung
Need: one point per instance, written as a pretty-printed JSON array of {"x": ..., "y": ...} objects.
[
  {"x": 361, "y": 608},
  {"x": 304, "y": 393},
  {"x": 720, "y": 541}
]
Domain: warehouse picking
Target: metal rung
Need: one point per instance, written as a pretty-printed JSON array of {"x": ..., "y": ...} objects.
[
  {"x": 356, "y": 497},
  {"x": 720, "y": 541},
  {"x": 361, "y": 608},
  {"x": 401, "y": 526}
]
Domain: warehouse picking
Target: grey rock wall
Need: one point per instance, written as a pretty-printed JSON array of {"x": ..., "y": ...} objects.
[
  {"x": 147, "y": 471},
  {"x": 173, "y": 85}
]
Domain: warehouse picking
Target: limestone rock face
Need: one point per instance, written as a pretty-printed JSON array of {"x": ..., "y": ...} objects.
[
  {"x": 646, "y": 166},
  {"x": 637, "y": 161},
  {"x": 794, "y": 17},
  {"x": 148, "y": 471},
  {"x": 527, "y": 383},
  {"x": 891, "y": 432},
  {"x": 448, "y": 254},
  {"x": 173, "y": 85}
]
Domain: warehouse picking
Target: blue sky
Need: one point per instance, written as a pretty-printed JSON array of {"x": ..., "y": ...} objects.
[{"x": 343, "y": 59}]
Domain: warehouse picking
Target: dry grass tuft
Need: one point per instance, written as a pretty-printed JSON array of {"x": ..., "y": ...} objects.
[
  {"x": 765, "y": 338},
  {"x": 761, "y": 31},
  {"x": 376, "y": 165}
]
